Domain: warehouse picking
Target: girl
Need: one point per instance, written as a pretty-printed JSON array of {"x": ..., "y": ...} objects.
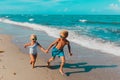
[{"x": 33, "y": 49}]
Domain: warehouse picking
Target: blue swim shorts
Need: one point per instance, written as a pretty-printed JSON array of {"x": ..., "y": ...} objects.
[{"x": 56, "y": 52}]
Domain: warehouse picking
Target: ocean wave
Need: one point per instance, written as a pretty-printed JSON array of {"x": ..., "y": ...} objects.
[
  {"x": 31, "y": 19},
  {"x": 33, "y": 26},
  {"x": 6, "y": 16},
  {"x": 96, "y": 43},
  {"x": 83, "y": 20},
  {"x": 117, "y": 31},
  {"x": 92, "y": 43},
  {"x": 98, "y": 22}
]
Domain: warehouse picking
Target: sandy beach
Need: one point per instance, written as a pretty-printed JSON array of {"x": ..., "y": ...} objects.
[{"x": 14, "y": 65}]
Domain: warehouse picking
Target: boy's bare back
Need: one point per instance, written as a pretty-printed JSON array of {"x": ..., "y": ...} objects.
[{"x": 61, "y": 43}]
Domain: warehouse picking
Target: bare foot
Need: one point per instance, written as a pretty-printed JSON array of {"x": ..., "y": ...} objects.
[
  {"x": 48, "y": 64},
  {"x": 33, "y": 67},
  {"x": 61, "y": 71},
  {"x": 30, "y": 62}
]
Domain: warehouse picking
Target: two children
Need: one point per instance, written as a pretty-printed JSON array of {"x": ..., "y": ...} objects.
[{"x": 57, "y": 49}]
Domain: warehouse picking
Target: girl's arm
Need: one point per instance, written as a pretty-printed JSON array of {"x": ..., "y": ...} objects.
[
  {"x": 69, "y": 48},
  {"x": 27, "y": 44},
  {"x": 41, "y": 48},
  {"x": 52, "y": 44}
]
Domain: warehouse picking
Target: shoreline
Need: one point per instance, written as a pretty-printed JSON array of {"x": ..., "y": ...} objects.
[{"x": 83, "y": 40}]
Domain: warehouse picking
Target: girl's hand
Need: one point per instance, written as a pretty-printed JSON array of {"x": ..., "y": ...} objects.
[
  {"x": 25, "y": 46},
  {"x": 70, "y": 54}
]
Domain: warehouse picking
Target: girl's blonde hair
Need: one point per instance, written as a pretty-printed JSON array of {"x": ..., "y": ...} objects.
[{"x": 33, "y": 36}]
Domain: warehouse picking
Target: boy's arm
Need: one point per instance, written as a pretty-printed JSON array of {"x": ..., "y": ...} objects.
[
  {"x": 26, "y": 45},
  {"x": 69, "y": 48},
  {"x": 52, "y": 44}
]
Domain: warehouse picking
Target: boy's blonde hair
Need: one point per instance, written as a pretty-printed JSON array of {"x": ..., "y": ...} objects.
[
  {"x": 33, "y": 36},
  {"x": 64, "y": 33}
]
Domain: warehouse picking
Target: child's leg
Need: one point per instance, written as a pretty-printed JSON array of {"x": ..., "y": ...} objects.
[
  {"x": 33, "y": 59},
  {"x": 34, "y": 56},
  {"x": 50, "y": 60},
  {"x": 62, "y": 64}
]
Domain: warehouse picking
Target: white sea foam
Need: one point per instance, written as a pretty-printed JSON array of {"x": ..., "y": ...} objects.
[
  {"x": 107, "y": 47},
  {"x": 85, "y": 41},
  {"x": 82, "y": 20},
  {"x": 6, "y": 16},
  {"x": 31, "y": 19},
  {"x": 50, "y": 31}
]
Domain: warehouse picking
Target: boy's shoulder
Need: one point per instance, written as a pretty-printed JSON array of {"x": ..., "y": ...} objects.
[
  {"x": 64, "y": 40},
  {"x": 58, "y": 39}
]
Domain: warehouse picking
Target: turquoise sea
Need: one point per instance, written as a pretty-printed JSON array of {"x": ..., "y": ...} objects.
[{"x": 100, "y": 32}]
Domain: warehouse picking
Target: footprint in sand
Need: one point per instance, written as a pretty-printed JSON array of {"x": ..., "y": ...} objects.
[
  {"x": 1, "y": 77},
  {"x": 3, "y": 67},
  {"x": 14, "y": 73},
  {"x": 1, "y": 51}
]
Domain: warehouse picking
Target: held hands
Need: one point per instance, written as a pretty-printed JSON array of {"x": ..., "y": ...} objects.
[{"x": 46, "y": 51}]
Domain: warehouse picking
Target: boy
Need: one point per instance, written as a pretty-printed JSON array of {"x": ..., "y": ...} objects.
[{"x": 58, "y": 49}]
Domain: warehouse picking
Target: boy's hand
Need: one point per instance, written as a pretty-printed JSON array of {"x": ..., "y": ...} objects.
[{"x": 46, "y": 51}]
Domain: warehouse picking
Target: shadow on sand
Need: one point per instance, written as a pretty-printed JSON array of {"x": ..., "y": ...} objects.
[
  {"x": 82, "y": 66},
  {"x": 40, "y": 66}
]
